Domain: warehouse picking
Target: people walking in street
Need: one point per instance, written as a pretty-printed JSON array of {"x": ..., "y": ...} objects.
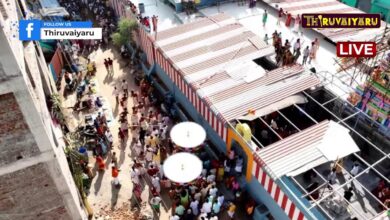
[
  {"x": 134, "y": 96},
  {"x": 125, "y": 87},
  {"x": 115, "y": 93},
  {"x": 155, "y": 202},
  {"x": 348, "y": 194},
  {"x": 265, "y": 17},
  {"x": 134, "y": 175},
  {"x": 306, "y": 53},
  {"x": 100, "y": 163},
  {"x": 231, "y": 210},
  {"x": 297, "y": 23},
  {"x": 114, "y": 160},
  {"x": 111, "y": 66},
  {"x": 332, "y": 178},
  {"x": 297, "y": 55},
  {"x": 266, "y": 38},
  {"x": 115, "y": 174},
  {"x": 355, "y": 169},
  {"x": 288, "y": 19},
  {"x": 312, "y": 53},
  {"x": 280, "y": 16},
  {"x": 297, "y": 46},
  {"x": 154, "y": 22},
  {"x": 316, "y": 46},
  {"x": 156, "y": 183},
  {"x": 107, "y": 65},
  {"x": 195, "y": 207}
]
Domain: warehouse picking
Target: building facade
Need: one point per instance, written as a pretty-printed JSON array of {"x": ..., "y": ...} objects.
[{"x": 35, "y": 180}]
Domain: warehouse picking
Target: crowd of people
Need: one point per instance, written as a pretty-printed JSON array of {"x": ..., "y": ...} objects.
[
  {"x": 286, "y": 53},
  {"x": 150, "y": 145}
]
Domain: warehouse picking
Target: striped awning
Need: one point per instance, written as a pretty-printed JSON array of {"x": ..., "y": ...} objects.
[
  {"x": 331, "y": 7},
  {"x": 323, "y": 142},
  {"x": 215, "y": 55}
]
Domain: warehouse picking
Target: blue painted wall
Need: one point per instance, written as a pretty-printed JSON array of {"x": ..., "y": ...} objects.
[
  {"x": 260, "y": 195},
  {"x": 185, "y": 103},
  {"x": 314, "y": 214}
]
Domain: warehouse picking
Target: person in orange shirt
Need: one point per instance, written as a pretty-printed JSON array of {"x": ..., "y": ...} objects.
[
  {"x": 249, "y": 207},
  {"x": 100, "y": 162},
  {"x": 115, "y": 174},
  {"x": 231, "y": 210}
]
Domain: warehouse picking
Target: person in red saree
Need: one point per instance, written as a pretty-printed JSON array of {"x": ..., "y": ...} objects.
[
  {"x": 288, "y": 19},
  {"x": 100, "y": 163}
]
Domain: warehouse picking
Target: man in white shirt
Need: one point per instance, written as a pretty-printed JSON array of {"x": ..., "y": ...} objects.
[
  {"x": 125, "y": 87},
  {"x": 116, "y": 94},
  {"x": 175, "y": 217},
  {"x": 206, "y": 208},
  {"x": 155, "y": 202},
  {"x": 220, "y": 199},
  {"x": 195, "y": 207},
  {"x": 213, "y": 191},
  {"x": 134, "y": 174},
  {"x": 297, "y": 46},
  {"x": 156, "y": 184},
  {"x": 355, "y": 169}
]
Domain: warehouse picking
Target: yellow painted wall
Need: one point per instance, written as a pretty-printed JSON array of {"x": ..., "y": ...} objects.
[{"x": 232, "y": 135}]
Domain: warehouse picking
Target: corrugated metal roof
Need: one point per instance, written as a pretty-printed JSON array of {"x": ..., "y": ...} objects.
[
  {"x": 305, "y": 150},
  {"x": 208, "y": 56}
]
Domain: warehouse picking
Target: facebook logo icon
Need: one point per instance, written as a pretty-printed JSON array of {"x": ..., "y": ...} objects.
[{"x": 29, "y": 30}]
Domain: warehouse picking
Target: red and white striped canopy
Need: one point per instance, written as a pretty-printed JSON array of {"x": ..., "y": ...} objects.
[
  {"x": 215, "y": 55},
  {"x": 318, "y": 144}
]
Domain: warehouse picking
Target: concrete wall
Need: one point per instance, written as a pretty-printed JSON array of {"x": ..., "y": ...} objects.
[
  {"x": 31, "y": 193},
  {"x": 17, "y": 142},
  {"x": 35, "y": 181}
]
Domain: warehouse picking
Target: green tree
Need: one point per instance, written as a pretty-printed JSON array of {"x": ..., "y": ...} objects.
[
  {"x": 56, "y": 108},
  {"x": 124, "y": 34}
]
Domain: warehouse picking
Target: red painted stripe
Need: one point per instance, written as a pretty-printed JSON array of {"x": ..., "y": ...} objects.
[
  {"x": 263, "y": 178},
  {"x": 208, "y": 114},
  {"x": 277, "y": 193},
  {"x": 270, "y": 185},
  {"x": 284, "y": 202},
  {"x": 193, "y": 97},
  {"x": 220, "y": 129},
  {"x": 291, "y": 212},
  {"x": 211, "y": 119},
  {"x": 257, "y": 170},
  {"x": 301, "y": 216},
  {"x": 196, "y": 101}
]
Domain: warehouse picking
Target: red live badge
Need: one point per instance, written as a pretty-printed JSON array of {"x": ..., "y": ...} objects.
[{"x": 356, "y": 49}]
